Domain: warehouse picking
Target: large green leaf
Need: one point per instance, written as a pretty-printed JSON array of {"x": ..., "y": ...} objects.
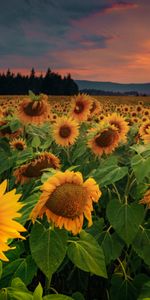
[
  {"x": 141, "y": 244},
  {"x": 57, "y": 297},
  {"x": 141, "y": 167},
  {"x": 112, "y": 245},
  {"x": 109, "y": 174},
  {"x": 24, "y": 268},
  {"x": 48, "y": 248},
  {"x": 29, "y": 204},
  {"x": 38, "y": 292},
  {"x": 122, "y": 289},
  {"x": 145, "y": 292},
  {"x": 125, "y": 219},
  {"x": 87, "y": 254}
]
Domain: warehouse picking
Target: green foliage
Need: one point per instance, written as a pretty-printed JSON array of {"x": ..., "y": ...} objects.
[
  {"x": 87, "y": 254},
  {"x": 125, "y": 219},
  {"x": 48, "y": 248}
]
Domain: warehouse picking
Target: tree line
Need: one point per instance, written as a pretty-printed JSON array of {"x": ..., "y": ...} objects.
[{"x": 50, "y": 84}]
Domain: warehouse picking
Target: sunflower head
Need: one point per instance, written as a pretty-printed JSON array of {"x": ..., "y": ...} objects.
[
  {"x": 66, "y": 199},
  {"x": 105, "y": 139},
  {"x": 9, "y": 228},
  {"x": 120, "y": 124},
  {"x": 65, "y": 131},
  {"x": 36, "y": 166},
  {"x": 18, "y": 144},
  {"x": 80, "y": 107},
  {"x": 33, "y": 110}
]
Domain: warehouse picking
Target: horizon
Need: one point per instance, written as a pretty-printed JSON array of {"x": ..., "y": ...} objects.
[{"x": 103, "y": 41}]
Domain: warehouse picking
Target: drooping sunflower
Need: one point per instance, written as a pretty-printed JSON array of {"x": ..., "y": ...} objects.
[
  {"x": 146, "y": 199},
  {"x": 9, "y": 228},
  {"x": 120, "y": 123},
  {"x": 104, "y": 139},
  {"x": 35, "y": 167},
  {"x": 65, "y": 131},
  {"x": 66, "y": 199},
  {"x": 33, "y": 111},
  {"x": 18, "y": 144},
  {"x": 80, "y": 107}
]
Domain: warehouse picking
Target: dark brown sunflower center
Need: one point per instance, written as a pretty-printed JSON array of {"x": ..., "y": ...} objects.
[
  {"x": 64, "y": 131},
  {"x": 68, "y": 200},
  {"x": 79, "y": 107},
  {"x": 35, "y": 169},
  {"x": 19, "y": 146},
  {"x": 106, "y": 138},
  {"x": 34, "y": 109}
]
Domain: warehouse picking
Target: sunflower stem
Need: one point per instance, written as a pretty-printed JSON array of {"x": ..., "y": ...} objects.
[
  {"x": 117, "y": 193},
  {"x": 47, "y": 284},
  {"x": 123, "y": 269}
]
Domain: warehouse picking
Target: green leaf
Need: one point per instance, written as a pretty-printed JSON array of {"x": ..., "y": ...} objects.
[
  {"x": 109, "y": 174},
  {"x": 112, "y": 246},
  {"x": 145, "y": 292},
  {"x": 37, "y": 295},
  {"x": 125, "y": 219},
  {"x": 6, "y": 162},
  {"x": 48, "y": 248},
  {"x": 36, "y": 142},
  {"x": 141, "y": 167},
  {"x": 57, "y": 297},
  {"x": 18, "y": 284},
  {"x": 24, "y": 268},
  {"x": 29, "y": 204},
  {"x": 122, "y": 289},
  {"x": 141, "y": 244},
  {"x": 78, "y": 296},
  {"x": 87, "y": 254}
]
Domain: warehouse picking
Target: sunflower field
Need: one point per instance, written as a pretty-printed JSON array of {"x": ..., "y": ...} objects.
[{"x": 75, "y": 198}]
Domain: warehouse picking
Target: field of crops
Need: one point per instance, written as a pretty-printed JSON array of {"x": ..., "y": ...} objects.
[{"x": 75, "y": 197}]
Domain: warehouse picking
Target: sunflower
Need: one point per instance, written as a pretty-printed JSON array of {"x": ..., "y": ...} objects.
[
  {"x": 65, "y": 131},
  {"x": 146, "y": 137},
  {"x": 104, "y": 139},
  {"x": 35, "y": 167},
  {"x": 146, "y": 199},
  {"x": 80, "y": 107},
  {"x": 33, "y": 111},
  {"x": 9, "y": 228},
  {"x": 144, "y": 127},
  {"x": 66, "y": 199},
  {"x": 96, "y": 107},
  {"x": 120, "y": 123},
  {"x": 18, "y": 144}
]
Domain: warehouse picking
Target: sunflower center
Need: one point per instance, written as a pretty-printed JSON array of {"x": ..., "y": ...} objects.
[
  {"x": 79, "y": 107},
  {"x": 19, "y": 146},
  {"x": 106, "y": 138},
  {"x": 65, "y": 131},
  {"x": 68, "y": 200},
  {"x": 35, "y": 169},
  {"x": 34, "y": 110}
]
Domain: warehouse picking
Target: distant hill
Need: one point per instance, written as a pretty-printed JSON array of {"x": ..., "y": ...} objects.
[{"x": 141, "y": 88}]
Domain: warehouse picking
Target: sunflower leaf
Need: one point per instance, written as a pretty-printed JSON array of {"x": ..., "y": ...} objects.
[
  {"x": 87, "y": 254},
  {"x": 125, "y": 219},
  {"x": 48, "y": 248}
]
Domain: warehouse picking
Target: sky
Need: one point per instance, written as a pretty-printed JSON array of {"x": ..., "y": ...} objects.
[{"x": 97, "y": 40}]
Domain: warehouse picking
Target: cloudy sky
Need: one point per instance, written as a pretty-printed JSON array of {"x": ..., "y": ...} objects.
[{"x": 102, "y": 40}]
